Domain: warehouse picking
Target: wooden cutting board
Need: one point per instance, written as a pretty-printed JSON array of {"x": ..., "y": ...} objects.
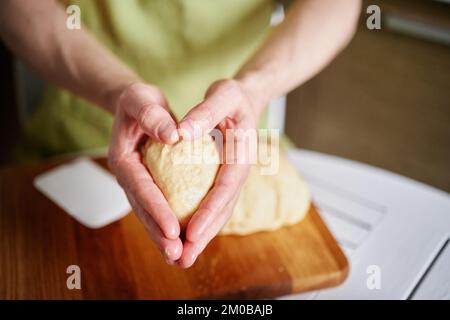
[{"x": 38, "y": 241}]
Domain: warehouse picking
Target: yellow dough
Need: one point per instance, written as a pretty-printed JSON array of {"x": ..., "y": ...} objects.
[{"x": 266, "y": 202}]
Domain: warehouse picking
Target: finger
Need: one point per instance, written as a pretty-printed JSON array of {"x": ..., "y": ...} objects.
[
  {"x": 171, "y": 249},
  {"x": 144, "y": 104},
  {"x": 136, "y": 180},
  {"x": 210, "y": 112},
  {"x": 191, "y": 250},
  {"x": 228, "y": 183},
  {"x": 240, "y": 140}
]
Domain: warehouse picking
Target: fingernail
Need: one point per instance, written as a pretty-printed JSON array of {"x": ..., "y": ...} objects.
[
  {"x": 192, "y": 260},
  {"x": 172, "y": 232},
  {"x": 170, "y": 253},
  {"x": 194, "y": 235},
  {"x": 174, "y": 137},
  {"x": 167, "y": 133}
]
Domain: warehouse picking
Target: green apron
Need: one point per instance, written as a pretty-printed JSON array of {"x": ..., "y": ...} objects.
[{"x": 180, "y": 45}]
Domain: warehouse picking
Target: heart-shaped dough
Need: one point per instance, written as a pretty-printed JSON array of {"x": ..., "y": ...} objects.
[{"x": 184, "y": 172}]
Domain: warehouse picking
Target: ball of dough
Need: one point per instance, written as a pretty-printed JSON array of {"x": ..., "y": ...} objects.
[{"x": 185, "y": 172}]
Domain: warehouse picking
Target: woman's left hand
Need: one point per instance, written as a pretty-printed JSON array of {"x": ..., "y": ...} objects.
[{"x": 227, "y": 105}]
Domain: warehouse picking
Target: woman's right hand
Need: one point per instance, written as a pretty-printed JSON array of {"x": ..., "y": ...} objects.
[{"x": 142, "y": 112}]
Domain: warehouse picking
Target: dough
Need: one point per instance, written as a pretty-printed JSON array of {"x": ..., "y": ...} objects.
[
  {"x": 269, "y": 202},
  {"x": 266, "y": 202},
  {"x": 180, "y": 173}
]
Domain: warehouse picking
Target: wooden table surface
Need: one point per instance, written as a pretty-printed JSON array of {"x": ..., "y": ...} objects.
[{"x": 38, "y": 241}]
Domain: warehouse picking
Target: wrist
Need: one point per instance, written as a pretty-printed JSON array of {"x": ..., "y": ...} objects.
[
  {"x": 257, "y": 89},
  {"x": 113, "y": 94}
]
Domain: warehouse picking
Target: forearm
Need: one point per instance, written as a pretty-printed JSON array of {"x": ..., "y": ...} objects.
[
  {"x": 310, "y": 36},
  {"x": 36, "y": 32}
]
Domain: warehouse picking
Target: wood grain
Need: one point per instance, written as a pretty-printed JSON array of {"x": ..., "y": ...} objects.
[{"x": 38, "y": 241}]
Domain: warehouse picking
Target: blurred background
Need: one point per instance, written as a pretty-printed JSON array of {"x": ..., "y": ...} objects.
[{"x": 385, "y": 100}]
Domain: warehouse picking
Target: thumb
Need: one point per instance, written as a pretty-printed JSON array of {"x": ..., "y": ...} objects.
[
  {"x": 148, "y": 107},
  {"x": 221, "y": 100}
]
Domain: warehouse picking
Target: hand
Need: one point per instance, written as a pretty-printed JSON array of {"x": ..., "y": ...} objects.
[
  {"x": 142, "y": 110},
  {"x": 227, "y": 105}
]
